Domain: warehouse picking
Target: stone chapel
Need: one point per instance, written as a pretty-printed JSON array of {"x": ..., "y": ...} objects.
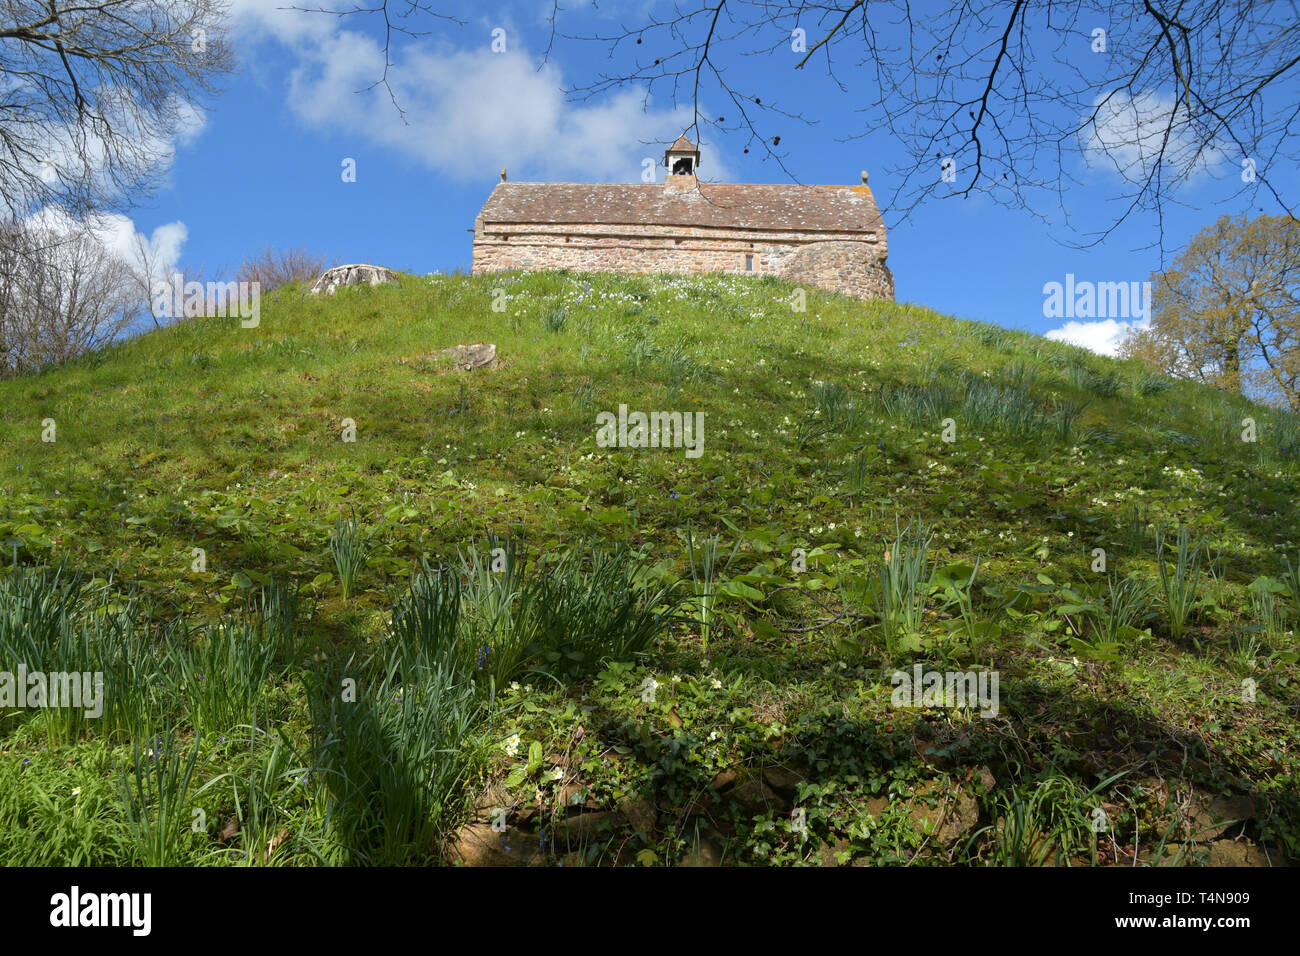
[{"x": 828, "y": 236}]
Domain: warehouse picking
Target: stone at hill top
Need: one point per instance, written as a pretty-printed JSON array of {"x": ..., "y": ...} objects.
[
  {"x": 335, "y": 278},
  {"x": 469, "y": 357}
]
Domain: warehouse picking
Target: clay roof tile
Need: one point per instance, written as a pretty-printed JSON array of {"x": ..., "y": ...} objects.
[{"x": 721, "y": 205}]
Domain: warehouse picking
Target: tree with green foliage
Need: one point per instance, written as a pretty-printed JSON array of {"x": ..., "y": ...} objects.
[{"x": 1227, "y": 313}]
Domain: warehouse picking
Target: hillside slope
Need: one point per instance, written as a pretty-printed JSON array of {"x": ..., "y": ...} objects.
[{"x": 761, "y": 723}]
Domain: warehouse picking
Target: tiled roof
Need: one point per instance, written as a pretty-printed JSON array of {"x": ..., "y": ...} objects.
[
  {"x": 682, "y": 145},
  {"x": 721, "y": 205}
]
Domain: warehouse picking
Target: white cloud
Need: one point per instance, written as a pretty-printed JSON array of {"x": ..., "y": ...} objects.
[
  {"x": 162, "y": 246},
  {"x": 118, "y": 234},
  {"x": 77, "y": 153},
  {"x": 1103, "y": 337},
  {"x": 468, "y": 112},
  {"x": 256, "y": 18},
  {"x": 1128, "y": 133}
]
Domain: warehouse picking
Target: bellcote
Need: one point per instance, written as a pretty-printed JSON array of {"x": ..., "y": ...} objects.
[{"x": 682, "y": 160}]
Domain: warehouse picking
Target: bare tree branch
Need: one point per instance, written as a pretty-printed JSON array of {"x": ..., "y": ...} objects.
[
  {"x": 1131, "y": 99},
  {"x": 93, "y": 94}
]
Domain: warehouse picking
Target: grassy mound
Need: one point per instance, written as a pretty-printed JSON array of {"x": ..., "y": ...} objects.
[{"x": 353, "y": 605}]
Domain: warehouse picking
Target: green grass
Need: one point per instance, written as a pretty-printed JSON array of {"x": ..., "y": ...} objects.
[
  {"x": 393, "y": 764},
  {"x": 223, "y": 672},
  {"x": 349, "y": 687}
]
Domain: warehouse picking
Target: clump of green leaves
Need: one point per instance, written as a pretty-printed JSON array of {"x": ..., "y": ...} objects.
[
  {"x": 897, "y": 590},
  {"x": 1270, "y": 615},
  {"x": 1104, "y": 623},
  {"x": 350, "y": 547},
  {"x": 956, "y": 583},
  {"x": 553, "y": 320},
  {"x": 395, "y": 758},
  {"x": 1179, "y": 583},
  {"x": 1152, "y": 384},
  {"x": 222, "y": 673},
  {"x": 707, "y": 565},
  {"x": 155, "y": 789}
]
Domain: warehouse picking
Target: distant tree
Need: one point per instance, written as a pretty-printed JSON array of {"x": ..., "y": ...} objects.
[
  {"x": 147, "y": 269},
  {"x": 274, "y": 268},
  {"x": 1228, "y": 311},
  {"x": 61, "y": 294},
  {"x": 95, "y": 92}
]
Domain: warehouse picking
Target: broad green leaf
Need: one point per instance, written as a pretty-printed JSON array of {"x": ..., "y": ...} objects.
[
  {"x": 953, "y": 576},
  {"x": 534, "y": 756}
]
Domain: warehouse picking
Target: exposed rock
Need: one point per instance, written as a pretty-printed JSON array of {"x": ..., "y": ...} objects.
[
  {"x": 479, "y": 845},
  {"x": 704, "y": 853},
  {"x": 575, "y": 793},
  {"x": 829, "y": 852},
  {"x": 583, "y": 828},
  {"x": 954, "y": 816},
  {"x": 1210, "y": 816},
  {"x": 784, "y": 780},
  {"x": 699, "y": 802},
  {"x": 491, "y": 798},
  {"x": 1237, "y": 853},
  {"x": 877, "y": 805},
  {"x": 724, "y": 780},
  {"x": 640, "y": 813},
  {"x": 1153, "y": 789},
  {"x": 756, "y": 796},
  {"x": 932, "y": 754},
  {"x": 987, "y": 781},
  {"x": 331, "y": 280},
  {"x": 495, "y": 798},
  {"x": 468, "y": 357}
]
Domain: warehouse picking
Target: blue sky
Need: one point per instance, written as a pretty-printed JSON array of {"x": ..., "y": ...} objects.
[{"x": 264, "y": 167}]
